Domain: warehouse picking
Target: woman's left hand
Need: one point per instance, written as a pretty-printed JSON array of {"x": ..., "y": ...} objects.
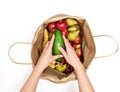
[{"x": 46, "y": 57}]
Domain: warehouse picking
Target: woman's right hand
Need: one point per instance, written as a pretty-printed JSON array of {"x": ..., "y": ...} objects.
[{"x": 70, "y": 55}]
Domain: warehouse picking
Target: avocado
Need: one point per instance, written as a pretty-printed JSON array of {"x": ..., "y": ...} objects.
[{"x": 58, "y": 42}]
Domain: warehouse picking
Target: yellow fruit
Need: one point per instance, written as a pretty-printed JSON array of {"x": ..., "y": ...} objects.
[
  {"x": 52, "y": 66},
  {"x": 61, "y": 67},
  {"x": 53, "y": 62},
  {"x": 45, "y": 38}
]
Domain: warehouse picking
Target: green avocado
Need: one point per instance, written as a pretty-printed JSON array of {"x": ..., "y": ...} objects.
[{"x": 58, "y": 42}]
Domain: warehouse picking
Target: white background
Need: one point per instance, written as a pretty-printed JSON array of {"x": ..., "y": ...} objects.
[{"x": 19, "y": 20}]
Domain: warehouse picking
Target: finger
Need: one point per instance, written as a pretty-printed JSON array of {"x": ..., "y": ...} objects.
[
  {"x": 57, "y": 56},
  {"x": 46, "y": 46},
  {"x": 67, "y": 43},
  {"x": 51, "y": 41},
  {"x": 63, "y": 52}
]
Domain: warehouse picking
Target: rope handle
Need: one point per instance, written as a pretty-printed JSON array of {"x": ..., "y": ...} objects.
[
  {"x": 115, "y": 51},
  {"x": 9, "y": 55}
]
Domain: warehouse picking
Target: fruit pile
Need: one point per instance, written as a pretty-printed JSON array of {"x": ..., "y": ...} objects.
[{"x": 70, "y": 28}]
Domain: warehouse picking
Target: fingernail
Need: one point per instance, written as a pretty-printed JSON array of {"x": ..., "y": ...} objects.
[
  {"x": 63, "y": 36},
  {"x": 59, "y": 47},
  {"x": 53, "y": 35}
]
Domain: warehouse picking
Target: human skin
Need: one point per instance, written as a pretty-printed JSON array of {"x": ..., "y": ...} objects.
[
  {"x": 46, "y": 58},
  {"x": 71, "y": 57}
]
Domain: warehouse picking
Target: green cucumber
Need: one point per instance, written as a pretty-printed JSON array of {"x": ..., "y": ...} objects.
[{"x": 58, "y": 42}]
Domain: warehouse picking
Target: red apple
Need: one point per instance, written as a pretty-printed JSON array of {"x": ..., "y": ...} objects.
[
  {"x": 51, "y": 27},
  {"x": 64, "y": 32},
  {"x": 61, "y": 25},
  {"x": 79, "y": 52},
  {"x": 77, "y": 40},
  {"x": 69, "y": 69}
]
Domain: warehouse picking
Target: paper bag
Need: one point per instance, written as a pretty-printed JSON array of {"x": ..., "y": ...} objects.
[{"x": 88, "y": 48}]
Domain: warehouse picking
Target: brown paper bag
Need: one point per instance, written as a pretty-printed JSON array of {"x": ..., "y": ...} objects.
[{"x": 88, "y": 48}]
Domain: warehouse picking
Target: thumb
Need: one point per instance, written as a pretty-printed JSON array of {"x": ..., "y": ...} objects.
[{"x": 57, "y": 56}]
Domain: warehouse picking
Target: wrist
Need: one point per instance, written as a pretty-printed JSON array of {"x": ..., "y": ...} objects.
[
  {"x": 41, "y": 65},
  {"x": 79, "y": 69},
  {"x": 38, "y": 69}
]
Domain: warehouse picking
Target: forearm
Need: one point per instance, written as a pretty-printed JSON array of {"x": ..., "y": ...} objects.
[
  {"x": 83, "y": 81},
  {"x": 31, "y": 83}
]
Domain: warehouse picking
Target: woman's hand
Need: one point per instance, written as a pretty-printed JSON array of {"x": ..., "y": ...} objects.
[
  {"x": 70, "y": 55},
  {"x": 73, "y": 60},
  {"x": 46, "y": 57}
]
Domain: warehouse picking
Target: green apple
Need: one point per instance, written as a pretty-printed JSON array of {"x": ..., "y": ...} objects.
[
  {"x": 71, "y": 21},
  {"x": 73, "y": 35},
  {"x": 74, "y": 28}
]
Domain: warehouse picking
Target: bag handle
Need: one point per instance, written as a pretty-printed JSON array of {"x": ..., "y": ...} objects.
[
  {"x": 11, "y": 56},
  {"x": 115, "y": 51},
  {"x": 29, "y": 43}
]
